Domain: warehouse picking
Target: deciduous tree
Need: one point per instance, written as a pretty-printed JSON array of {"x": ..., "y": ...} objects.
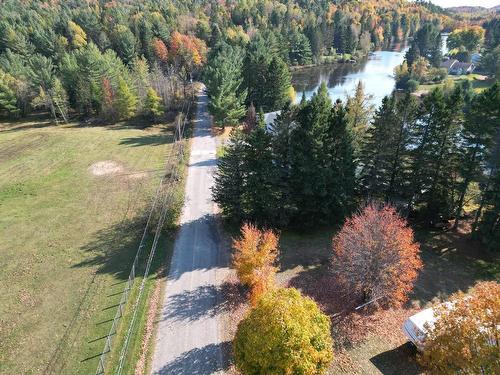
[
  {"x": 376, "y": 256},
  {"x": 126, "y": 101},
  {"x": 254, "y": 258},
  {"x": 285, "y": 333},
  {"x": 465, "y": 337},
  {"x": 153, "y": 106}
]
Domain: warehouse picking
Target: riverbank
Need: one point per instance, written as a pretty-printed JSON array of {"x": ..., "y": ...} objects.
[{"x": 346, "y": 58}]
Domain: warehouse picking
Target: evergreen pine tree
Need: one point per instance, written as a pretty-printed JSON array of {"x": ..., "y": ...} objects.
[
  {"x": 224, "y": 87},
  {"x": 309, "y": 187},
  {"x": 406, "y": 117},
  {"x": 277, "y": 85},
  {"x": 260, "y": 186},
  {"x": 482, "y": 121},
  {"x": 229, "y": 188},
  {"x": 256, "y": 70},
  {"x": 434, "y": 163},
  {"x": 376, "y": 153},
  {"x": 281, "y": 131},
  {"x": 300, "y": 52},
  {"x": 359, "y": 114},
  {"x": 339, "y": 162}
]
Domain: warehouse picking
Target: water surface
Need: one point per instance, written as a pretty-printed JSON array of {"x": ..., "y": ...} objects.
[{"x": 376, "y": 72}]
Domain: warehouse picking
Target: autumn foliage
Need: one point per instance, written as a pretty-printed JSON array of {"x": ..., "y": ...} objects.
[
  {"x": 160, "y": 49},
  {"x": 465, "y": 339},
  {"x": 255, "y": 254},
  {"x": 376, "y": 256},
  {"x": 285, "y": 333},
  {"x": 188, "y": 50}
]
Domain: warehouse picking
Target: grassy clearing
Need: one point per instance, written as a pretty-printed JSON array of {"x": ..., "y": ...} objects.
[
  {"x": 478, "y": 82},
  {"x": 375, "y": 344},
  {"x": 69, "y": 237}
]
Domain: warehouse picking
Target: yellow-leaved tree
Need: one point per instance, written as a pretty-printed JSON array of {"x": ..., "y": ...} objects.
[
  {"x": 465, "y": 339},
  {"x": 284, "y": 333},
  {"x": 254, "y": 258}
]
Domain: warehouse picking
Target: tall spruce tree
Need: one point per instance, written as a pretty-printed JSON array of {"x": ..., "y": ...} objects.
[
  {"x": 406, "y": 118},
  {"x": 376, "y": 153},
  {"x": 434, "y": 165},
  {"x": 480, "y": 126},
  {"x": 261, "y": 194},
  {"x": 339, "y": 165},
  {"x": 309, "y": 187},
  {"x": 228, "y": 190},
  {"x": 277, "y": 85},
  {"x": 281, "y": 131},
  {"x": 256, "y": 70},
  {"x": 224, "y": 86},
  {"x": 359, "y": 114},
  {"x": 300, "y": 52}
]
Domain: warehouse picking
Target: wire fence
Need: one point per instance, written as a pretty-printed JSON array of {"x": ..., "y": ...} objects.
[{"x": 163, "y": 196}]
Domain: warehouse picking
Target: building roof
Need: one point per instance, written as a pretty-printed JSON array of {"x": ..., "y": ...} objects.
[
  {"x": 463, "y": 65},
  {"x": 447, "y": 64}
]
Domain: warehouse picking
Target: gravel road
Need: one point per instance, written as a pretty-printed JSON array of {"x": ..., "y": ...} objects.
[{"x": 188, "y": 339}]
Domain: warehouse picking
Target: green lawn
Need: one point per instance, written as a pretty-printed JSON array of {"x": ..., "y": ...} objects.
[
  {"x": 478, "y": 84},
  {"x": 375, "y": 344},
  {"x": 68, "y": 237}
]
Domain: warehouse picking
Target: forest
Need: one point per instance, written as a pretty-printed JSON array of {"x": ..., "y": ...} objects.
[
  {"x": 113, "y": 60},
  {"x": 433, "y": 156},
  {"x": 341, "y": 218}
]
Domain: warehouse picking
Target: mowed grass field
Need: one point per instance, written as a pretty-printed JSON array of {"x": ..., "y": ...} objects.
[
  {"x": 369, "y": 343},
  {"x": 73, "y": 202}
]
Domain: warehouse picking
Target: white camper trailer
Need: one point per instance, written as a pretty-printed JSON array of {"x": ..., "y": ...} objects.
[{"x": 415, "y": 326}]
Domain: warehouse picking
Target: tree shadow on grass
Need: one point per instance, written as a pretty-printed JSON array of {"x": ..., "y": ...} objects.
[
  {"x": 200, "y": 361},
  {"x": 203, "y": 302},
  {"x": 401, "y": 360},
  {"x": 113, "y": 249},
  {"x": 156, "y": 139}
]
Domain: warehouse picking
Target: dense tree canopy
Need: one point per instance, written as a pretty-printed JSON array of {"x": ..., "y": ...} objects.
[
  {"x": 285, "y": 333},
  {"x": 90, "y": 46},
  {"x": 464, "y": 339},
  {"x": 375, "y": 255}
]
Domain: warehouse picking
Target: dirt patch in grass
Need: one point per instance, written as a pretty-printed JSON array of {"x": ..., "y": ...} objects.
[{"x": 105, "y": 168}]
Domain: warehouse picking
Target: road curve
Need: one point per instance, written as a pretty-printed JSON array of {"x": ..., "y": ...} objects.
[{"x": 187, "y": 339}]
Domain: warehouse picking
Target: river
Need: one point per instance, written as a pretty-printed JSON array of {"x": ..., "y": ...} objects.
[{"x": 376, "y": 72}]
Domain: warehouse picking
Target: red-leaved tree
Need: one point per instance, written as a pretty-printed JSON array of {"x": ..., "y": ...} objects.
[{"x": 376, "y": 256}]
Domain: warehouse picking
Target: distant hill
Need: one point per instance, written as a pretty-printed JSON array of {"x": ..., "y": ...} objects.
[{"x": 472, "y": 10}]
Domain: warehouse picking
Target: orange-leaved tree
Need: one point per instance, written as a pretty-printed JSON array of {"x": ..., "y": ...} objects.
[
  {"x": 187, "y": 50},
  {"x": 254, "y": 258},
  {"x": 465, "y": 338},
  {"x": 376, "y": 256},
  {"x": 160, "y": 49}
]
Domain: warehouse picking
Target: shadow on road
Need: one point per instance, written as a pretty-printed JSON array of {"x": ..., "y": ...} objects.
[
  {"x": 200, "y": 361},
  {"x": 205, "y": 301}
]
